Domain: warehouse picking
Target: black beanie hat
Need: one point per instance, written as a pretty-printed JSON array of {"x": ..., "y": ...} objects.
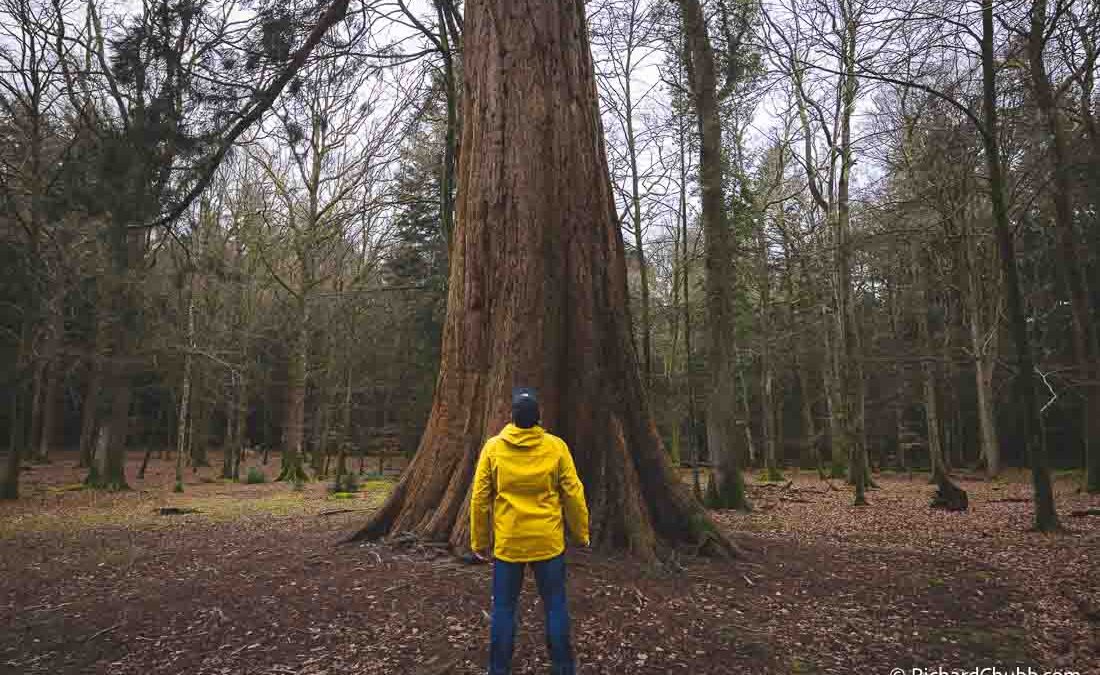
[{"x": 525, "y": 407}]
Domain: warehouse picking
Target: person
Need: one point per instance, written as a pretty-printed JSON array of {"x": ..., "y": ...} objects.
[{"x": 525, "y": 479}]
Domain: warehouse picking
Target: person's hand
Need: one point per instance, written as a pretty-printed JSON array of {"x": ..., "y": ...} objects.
[{"x": 481, "y": 556}]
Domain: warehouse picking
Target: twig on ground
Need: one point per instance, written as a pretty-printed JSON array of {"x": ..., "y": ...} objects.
[{"x": 105, "y": 630}]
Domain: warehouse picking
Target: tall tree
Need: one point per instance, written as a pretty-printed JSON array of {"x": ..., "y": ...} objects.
[
  {"x": 727, "y": 488},
  {"x": 537, "y": 295}
]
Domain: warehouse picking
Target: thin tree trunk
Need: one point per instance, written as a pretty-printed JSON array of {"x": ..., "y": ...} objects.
[
  {"x": 693, "y": 445},
  {"x": 838, "y": 449},
  {"x": 198, "y": 437},
  {"x": 981, "y": 351},
  {"x": 850, "y": 371},
  {"x": 1046, "y": 517},
  {"x": 37, "y": 389},
  {"x": 231, "y": 445},
  {"x": 292, "y": 469},
  {"x": 767, "y": 375},
  {"x": 729, "y": 488},
  {"x": 928, "y": 373},
  {"x": 183, "y": 418},
  {"x": 243, "y": 438},
  {"x": 51, "y": 373},
  {"x": 744, "y": 420}
]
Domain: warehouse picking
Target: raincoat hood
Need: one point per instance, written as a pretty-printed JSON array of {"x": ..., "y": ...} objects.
[{"x": 522, "y": 438}]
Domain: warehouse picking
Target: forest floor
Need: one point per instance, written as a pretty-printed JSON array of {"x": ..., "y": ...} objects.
[{"x": 256, "y": 582}]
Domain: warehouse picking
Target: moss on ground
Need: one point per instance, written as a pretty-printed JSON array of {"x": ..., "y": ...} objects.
[{"x": 141, "y": 510}]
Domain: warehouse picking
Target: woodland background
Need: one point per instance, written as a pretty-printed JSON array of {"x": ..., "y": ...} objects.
[{"x": 292, "y": 296}]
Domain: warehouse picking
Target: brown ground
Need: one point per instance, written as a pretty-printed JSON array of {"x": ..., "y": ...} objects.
[{"x": 256, "y": 583}]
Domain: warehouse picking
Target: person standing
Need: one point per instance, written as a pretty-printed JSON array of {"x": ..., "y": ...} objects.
[{"x": 524, "y": 482}]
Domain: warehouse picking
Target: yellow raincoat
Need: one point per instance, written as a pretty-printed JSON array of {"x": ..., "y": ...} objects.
[{"x": 528, "y": 477}]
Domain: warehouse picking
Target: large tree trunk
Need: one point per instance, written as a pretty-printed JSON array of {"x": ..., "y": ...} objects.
[
  {"x": 722, "y": 445},
  {"x": 108, "y": 470},
  {"x": 1046, "y": 517},
  {"x": 1085, "y": 343},
  {"x": 538, "y": 295}
]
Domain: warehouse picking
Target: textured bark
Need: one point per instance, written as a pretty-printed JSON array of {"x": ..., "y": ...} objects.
[
  {"x": 838, "y": 446},
  {"x": 89, "y": 413},
  {"x": 981, "y": 348},
  {"x": 538, "y": 295},
  {"x": 768, "y": 409},
  {"x": 722, "y": 445},
  {"x": 121, "y": 330},
  {"x": 1046, "y": 517},
  {"x": 850, "y": 370},
  {"x": 292, "y": 469},
  {"x": 928, "y": 374},
  {"x": 685, "y": 266},
  {"x": 744, "y": 421},
  {"x": 50, "y": 376}
]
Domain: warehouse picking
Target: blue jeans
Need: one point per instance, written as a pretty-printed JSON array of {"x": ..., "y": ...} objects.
[{"x": 507, "y": 582}]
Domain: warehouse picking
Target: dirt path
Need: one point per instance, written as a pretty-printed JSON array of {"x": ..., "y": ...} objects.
[{"x": 255, "y": 583}]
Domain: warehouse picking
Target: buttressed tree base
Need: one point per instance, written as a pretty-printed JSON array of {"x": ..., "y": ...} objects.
[{"x": 538, "y": 296}]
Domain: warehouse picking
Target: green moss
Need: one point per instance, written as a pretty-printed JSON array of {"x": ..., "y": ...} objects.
[
  {"x": 731, "y": 495},
  {"x": 1004, "y": 644},
  {"x": 772, "y": 475},
  {"x": 71, "y": 487}
]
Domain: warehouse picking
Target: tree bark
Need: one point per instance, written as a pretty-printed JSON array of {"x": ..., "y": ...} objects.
[
  {"x": 1046, "y": 517},
  {"x": 538, "y": 296},
  {"x": 724, "y": 450},
  {"x": 850, "y": 372},
  {"x": 89, "y": 413},
  {"x": 292, "y": 469},
  {"x": 685, "y": 266},
  {"x": 771, "y": 427},
  {"x": 183, "y": 417},
  {"x": 108, "y": 470},
  {"x": 51, "y": 372},
  {"x": 928, "y": 372},
  {"x": 982, "y": 353}
]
